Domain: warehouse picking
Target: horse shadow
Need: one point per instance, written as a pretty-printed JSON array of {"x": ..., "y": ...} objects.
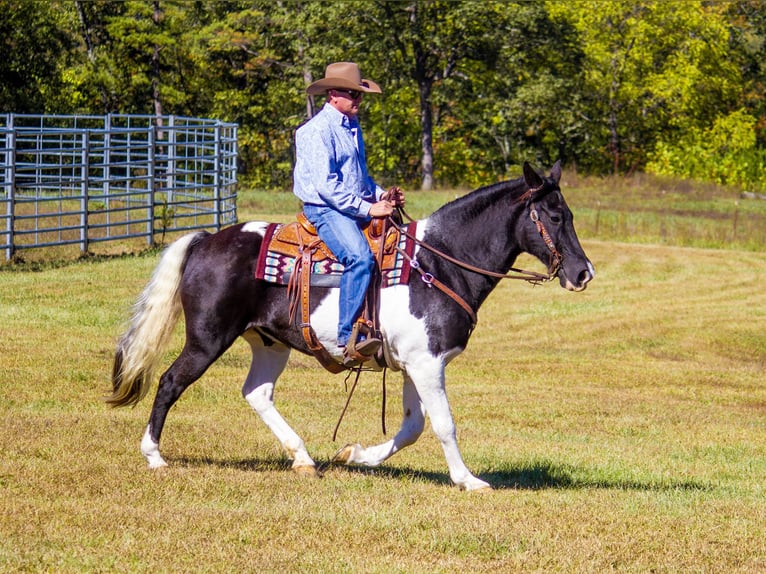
[{"x": 534, "y": 476}]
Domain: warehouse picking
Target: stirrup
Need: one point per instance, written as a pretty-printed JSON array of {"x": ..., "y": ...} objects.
[{"x": 358, "y": 352}]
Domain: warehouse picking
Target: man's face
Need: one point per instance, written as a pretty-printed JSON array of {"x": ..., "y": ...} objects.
[{"x": 346, "y": 101}]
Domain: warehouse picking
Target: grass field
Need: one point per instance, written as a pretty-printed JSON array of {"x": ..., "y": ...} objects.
[{"x": 623, "y": 428}]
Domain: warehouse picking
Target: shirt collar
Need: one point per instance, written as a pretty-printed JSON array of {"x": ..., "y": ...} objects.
[{"x": 339, "y": 118}]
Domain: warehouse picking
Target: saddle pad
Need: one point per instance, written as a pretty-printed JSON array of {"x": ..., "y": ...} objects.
[{"x": 276, "y": 267}]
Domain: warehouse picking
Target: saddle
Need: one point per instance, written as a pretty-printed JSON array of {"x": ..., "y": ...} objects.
[
  {"x": 293, "y": 238},
  {"x": 299, "y": 240}
]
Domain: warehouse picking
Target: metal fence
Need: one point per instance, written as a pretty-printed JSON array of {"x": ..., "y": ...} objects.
[{"x": 86, "y": 179}]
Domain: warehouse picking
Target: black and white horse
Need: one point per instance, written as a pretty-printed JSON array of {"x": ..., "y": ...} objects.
[{"x": 210, "y": 277}]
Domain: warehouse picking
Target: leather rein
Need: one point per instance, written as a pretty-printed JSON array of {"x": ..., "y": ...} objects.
[{"x": 532, "y": 277}]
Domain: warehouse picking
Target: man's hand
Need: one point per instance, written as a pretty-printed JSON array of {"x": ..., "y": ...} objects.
[
  {"x": 394, "y": 195},
  {"x": 382, "y": 208}
]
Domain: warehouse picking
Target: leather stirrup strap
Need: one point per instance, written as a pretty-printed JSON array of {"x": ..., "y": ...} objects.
[
  {"x": 319, "y": 351},
  {"x": 368, "y": 323}
]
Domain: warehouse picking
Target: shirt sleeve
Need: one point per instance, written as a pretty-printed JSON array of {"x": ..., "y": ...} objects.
[{"x": 331, "y": 172}]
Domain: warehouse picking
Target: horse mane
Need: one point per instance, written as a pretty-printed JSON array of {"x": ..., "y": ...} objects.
[{"x": 478, "y": 199}]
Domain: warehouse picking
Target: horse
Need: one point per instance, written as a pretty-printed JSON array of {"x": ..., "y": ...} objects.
[{"x": 467, "y": 246}]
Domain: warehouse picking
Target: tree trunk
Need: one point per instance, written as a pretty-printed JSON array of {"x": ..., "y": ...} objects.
[
  {"x": 426, "y": 137},
  {"x": 88, "y": 37},
  {"x": 308, "y": 78},
  {"x": 156, "y": 16}
]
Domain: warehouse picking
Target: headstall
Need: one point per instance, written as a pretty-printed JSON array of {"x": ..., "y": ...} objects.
[{"x": 530, "y": 276}]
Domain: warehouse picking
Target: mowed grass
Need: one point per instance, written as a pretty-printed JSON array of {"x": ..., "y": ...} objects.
[{"x": 623, "y": 428}]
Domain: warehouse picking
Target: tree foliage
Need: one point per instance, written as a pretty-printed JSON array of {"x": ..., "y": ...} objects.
[{"x": 471, "y": 88}]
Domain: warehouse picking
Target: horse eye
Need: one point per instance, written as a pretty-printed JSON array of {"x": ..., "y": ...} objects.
[{"x": 555, "y": 219}]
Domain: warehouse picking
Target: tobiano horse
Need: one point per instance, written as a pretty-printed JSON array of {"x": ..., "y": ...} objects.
[{"x": 467, "y": 245}]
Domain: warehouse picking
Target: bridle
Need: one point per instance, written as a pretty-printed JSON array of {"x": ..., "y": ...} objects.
[
  {"x": 532, "y": 277},
  {"x": 556, "y": 257}
]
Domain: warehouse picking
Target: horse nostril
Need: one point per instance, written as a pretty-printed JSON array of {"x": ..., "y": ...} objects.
[{"x": 584, "y": 278}]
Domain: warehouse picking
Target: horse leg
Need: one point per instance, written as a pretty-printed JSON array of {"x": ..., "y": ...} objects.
[
  {"x": 187, "y": 368},
  {"x": 428, "y": 377},
  {"x": 413, "y": 422},
  {"x": 267, "y": 364}
]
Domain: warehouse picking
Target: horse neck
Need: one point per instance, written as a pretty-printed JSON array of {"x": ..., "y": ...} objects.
[{"x": 478, "y": 229}]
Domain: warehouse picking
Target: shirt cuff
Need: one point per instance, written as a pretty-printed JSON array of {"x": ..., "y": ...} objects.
[{"x": 364, "y": 208}]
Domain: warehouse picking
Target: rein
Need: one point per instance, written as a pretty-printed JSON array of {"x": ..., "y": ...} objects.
[{"x": 532, "y": 277}]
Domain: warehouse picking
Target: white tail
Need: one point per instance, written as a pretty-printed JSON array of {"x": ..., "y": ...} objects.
[{"x": 155, "y": 314}]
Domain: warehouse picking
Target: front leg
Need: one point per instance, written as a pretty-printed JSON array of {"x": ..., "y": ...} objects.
[
  {"x": 421, "y": 394},
  {"x": 428, "y": 377}
]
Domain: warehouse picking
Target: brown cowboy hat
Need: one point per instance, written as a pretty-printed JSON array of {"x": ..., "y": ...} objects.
[{"x": 343, "y": 75}]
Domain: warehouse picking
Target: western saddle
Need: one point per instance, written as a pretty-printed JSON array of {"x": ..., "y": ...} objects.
[{"x": 299, "y": 239}]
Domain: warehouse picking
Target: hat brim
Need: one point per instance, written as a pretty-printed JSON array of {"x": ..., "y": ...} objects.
[{"x": 320, "y": 86}]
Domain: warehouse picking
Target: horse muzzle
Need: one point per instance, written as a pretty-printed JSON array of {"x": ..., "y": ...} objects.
[{"x": 582, "y": 277}]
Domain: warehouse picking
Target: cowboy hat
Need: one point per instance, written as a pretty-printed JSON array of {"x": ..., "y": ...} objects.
[{"x": 343, "y": 75}]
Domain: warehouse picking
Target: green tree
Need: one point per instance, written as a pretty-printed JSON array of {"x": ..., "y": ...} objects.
[
  {"x": 35, "y": 45},
  {"x": 651, "y": 67},
  {"x": 136, "y": 58},
  {"x": 432, "y": 42},
  {"x": 725, "y": 153},
  {"x": 522, "y": 103},
  {"x": 255, "y": 66},
  {"x": 471, "y": 89},
  {"x": 748, "y": 42}
]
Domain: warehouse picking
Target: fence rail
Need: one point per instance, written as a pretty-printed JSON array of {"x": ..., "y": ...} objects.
[{"x": 87, "y": 179}]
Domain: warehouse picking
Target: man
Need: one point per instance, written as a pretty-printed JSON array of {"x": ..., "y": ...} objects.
[{"x": 338, "y": 194}]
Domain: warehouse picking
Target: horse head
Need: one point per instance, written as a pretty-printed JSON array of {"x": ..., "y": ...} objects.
[{"x": 550, "y": 234}]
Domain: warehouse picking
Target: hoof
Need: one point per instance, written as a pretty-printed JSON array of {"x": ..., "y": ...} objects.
[
  {"x": 306, "y": 470},
  {"x": 478, "y": 486},
  {"x": 344, "y": 455},
  {"x": 156, "y": 464}
]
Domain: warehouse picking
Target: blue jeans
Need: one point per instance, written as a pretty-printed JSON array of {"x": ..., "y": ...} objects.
[{"x": 344, "y": 237}]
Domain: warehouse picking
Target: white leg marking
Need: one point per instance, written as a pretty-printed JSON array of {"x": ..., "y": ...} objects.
[
  {"x": 258, "y": 390},
  {"x": 151, "y": 450},
  {"x": 428, "y": 376},
  {"x": 413, "y": 421}
]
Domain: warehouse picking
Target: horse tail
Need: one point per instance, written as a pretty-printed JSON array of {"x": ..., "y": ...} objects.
[{"x": 155, "y": 314}]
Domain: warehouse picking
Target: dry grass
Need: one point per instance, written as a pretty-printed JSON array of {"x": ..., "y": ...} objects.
[{"x": 623, "y": 429}]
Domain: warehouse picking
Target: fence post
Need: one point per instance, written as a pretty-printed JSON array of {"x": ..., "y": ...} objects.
[
  {"x": 107, "y": 171},
  {"x": 84, "y": 181},
  {"x": 151, "y": 142},
  {"x": 171, "y": 161},
  {"x": 10, "y": 183},
  {"x": 217, "y": 177}
]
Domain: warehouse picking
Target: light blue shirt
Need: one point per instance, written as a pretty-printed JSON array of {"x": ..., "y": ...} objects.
[{"x": 331, "y": 166}]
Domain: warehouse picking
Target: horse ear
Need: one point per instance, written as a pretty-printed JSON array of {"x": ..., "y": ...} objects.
[
  {"x": 532, "y": 178},
  {"x": 556, "y": 171}
]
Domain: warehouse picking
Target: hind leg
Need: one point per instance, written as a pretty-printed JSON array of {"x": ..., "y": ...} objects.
[
  {"x": 187, "y": 368},
  {"x": 413, "y": 421},
  {"x": 258, "y": 390}
]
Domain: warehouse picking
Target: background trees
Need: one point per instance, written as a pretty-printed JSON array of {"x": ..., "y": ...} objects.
[{"x": 471, "y": 89}]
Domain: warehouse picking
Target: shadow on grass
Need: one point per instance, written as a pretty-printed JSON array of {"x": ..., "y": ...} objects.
[
  {"x": 536, "y": 476},
  {"x": 247, "y": 464},
  {"x": 540, "y": 477},
  {"x": 546, "y": 475}
]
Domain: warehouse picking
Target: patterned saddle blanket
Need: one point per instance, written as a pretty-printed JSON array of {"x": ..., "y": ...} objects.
[{"x": 283, "y": 243}]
